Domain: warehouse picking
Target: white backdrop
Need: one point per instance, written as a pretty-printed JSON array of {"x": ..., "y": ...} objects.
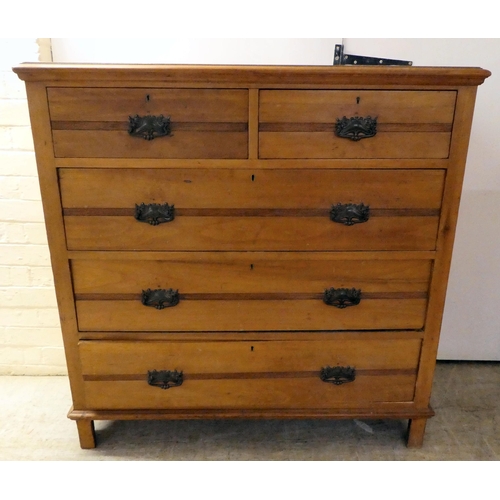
[{"x": 316, "y": 51}]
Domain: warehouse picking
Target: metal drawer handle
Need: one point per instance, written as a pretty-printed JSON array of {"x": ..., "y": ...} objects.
[
  {"x": 342, "y": 297},
  {"x": 160, "y": 298},
  {"x": 154, "y": 213},
  {"x": 356, "y": 127},
  {"x": 149, "y": 127},
  {"x": 349, "y": 213},
  {"x": 165, "y": 379},
  {"x": 337, "y": 375}
]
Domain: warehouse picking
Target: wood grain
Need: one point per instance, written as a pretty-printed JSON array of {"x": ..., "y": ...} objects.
[
  {"x": 253, "y": 314},
  {"x": 209, "y": 272},
  {"x": 115, "y": 104},
  {"x": 316, "y": 106},
  {"x": 328, "y": 145},
  {"x": 250, "y": 234},
  {"x": 251, "y": 188},
  {"x": 116, "y": 144}
]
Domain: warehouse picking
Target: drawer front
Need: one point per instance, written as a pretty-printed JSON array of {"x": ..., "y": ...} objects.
[
  {"x": 251, "y": 209},
  {"x": 248, "y": 374},
  {"x": 260, "y": 292},
  {"x": 302, "y": 123},
  {"x": 94, "y": 122}
]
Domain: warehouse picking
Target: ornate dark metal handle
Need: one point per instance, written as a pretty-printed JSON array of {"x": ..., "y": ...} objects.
[
  {"x": 337, "y": 375},
  {"x": 342, "y": 297},
  {"x": 350, "y": 213},
  {"x": 356, "y": 127},
  {"x": 154, "y": 213},
  {"x": 149, "y": 127},
  {"x": 160, "y": 298},
  {"x": 165, "y": 379}
]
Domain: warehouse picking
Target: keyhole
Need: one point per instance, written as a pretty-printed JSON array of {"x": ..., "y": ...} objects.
[
  {"x": 251, "y": 348},
  {"x": 147, "y": 97},
  {"x": 251, "y": 267},
  {"x": 358, "y": 99},
  {"x": 253, "y": 177}
]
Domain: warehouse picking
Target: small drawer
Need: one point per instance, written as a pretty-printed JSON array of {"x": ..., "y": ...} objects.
[
  {"x": 303, "y": 124},
  {"x": 253, "y": 375},
  {"x": 202, "y": 123}
]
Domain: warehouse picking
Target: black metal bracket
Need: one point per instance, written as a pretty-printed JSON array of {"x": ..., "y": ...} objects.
[{"x": 341, "y": 59}]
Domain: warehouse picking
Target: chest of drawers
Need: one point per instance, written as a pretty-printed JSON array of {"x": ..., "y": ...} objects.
[{"x": 252, "y": 242}]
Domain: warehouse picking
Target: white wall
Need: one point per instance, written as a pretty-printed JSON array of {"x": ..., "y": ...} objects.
[{"x": 316, "y": 51}]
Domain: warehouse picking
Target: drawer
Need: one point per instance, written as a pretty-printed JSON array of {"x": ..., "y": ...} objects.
[
  {"x": 249, "y": 292},
  {"x": 251, "y": 210},
  {"x": 94, "y": 122},
  {"x": 302, "y": 123},
  {"x": 275, "y": 374}
]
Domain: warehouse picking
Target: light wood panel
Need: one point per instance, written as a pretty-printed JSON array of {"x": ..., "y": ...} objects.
[
  {"x": 252, "y": 314},
  {"x": 251, "y": 188},
  {"x": 116, "y": 144},
  {"x": 136, "y": 358},
  {"x": 325, "y": 106},
  {"x": 251, "y": 394},
  {"x": 249, "y": 273},
  {"x": 250, "y": 234},
  {"x": 328, "y": 145},
  {"x": 117, "y": 104}
]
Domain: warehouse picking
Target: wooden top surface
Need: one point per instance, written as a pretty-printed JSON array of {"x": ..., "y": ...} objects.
[{"x": 316, "y": 75}]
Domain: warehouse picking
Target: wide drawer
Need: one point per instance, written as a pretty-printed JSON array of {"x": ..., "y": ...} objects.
[
  {"x": 302, "y": 123},
  {"x": 94, "y": 122},
  {"x": 250, "y": 292},
  {"x": 248, "y": 374},
  {"x": 251, "y": 209}
]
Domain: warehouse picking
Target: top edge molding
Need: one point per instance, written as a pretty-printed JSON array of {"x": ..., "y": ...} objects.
[{"x": 262, "y": 75}]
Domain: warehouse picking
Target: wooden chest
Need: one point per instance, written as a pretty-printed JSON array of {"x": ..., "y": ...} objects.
[{"x": 253, "y": 242}]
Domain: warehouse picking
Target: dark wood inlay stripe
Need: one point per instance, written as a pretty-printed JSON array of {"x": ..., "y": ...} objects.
[
  {"x": 252, "y": 296},
  {"x": 245, "y": 376},
  {"x": 174, "y": 126},
  {"x": 251, "y": 212},
  {"x": 330, "y": 127}
]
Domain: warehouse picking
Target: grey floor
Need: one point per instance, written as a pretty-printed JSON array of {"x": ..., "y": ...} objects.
[{"x": 466, "y": 398}]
